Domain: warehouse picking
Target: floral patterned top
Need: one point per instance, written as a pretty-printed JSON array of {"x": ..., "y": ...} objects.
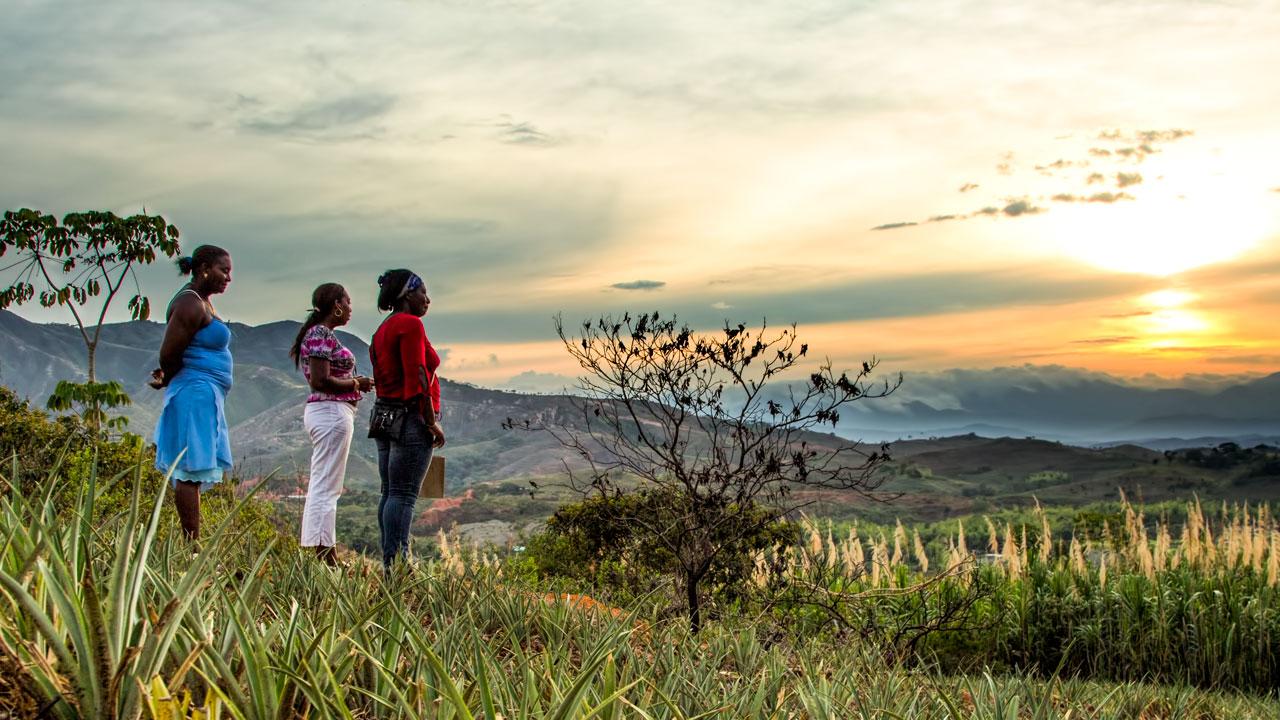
[{"x": 321, "y": 342}]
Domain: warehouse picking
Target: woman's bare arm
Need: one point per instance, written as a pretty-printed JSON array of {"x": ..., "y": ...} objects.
[
  {"x": 188, "y": 316},
  {"x": 429, "y": 412},
  {"x": 322, "y": 382}
]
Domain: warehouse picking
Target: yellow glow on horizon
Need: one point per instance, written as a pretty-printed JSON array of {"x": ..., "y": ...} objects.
[
  {"x": 1169, "y": 298},
  {"x": 1169, "y": 228},
  {"x": 1168, "y": 342},
  {"x": 1169, "y": 316},
  {"x": 1168, "y": 322}
]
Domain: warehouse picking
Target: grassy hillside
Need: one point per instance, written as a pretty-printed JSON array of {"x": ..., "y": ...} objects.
[
  {"x": 248, "y": 629},
  {"x": 110, "y": 613}
]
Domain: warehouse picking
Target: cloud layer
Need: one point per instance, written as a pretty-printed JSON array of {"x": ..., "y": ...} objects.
[
  {"x": 863, "y": 166},
  {"x": 1129, "y": 148}
]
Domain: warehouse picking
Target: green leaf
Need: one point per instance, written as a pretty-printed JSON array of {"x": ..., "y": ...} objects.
[{"x": 446, "y": 684}]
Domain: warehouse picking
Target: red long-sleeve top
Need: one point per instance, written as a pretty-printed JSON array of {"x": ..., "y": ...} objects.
[{"x": 400, "y": 346}]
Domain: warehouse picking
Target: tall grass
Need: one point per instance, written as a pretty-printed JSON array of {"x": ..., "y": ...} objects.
[
  {"x": 1235, "y": 538},
  {"x": 1193, "y": 602},
  {"x": 1196, "y": 604},
  {"x": 108, "y": 617}
]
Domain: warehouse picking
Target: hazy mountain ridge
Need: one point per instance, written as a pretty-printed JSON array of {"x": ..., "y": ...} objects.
[
  {"x": 1073, "y": 407},
  {"x": 265, "y": 405},
  {"x": 265, "y": 410}
]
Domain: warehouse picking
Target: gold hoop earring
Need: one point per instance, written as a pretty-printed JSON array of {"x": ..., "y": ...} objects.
[{"x": 337, "y": 312}]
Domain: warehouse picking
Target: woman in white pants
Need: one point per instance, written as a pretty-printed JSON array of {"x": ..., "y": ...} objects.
[{"x": 330, "y": 370}]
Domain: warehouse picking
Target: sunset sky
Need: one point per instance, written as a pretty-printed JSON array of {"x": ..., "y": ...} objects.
[{"x": 940, "y": 184}]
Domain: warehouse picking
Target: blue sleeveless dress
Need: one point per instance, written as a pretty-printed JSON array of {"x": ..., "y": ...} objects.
[{"x": 192, "y": 442}]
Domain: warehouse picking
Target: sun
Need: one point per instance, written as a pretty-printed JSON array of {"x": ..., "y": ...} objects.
[{"x": 1169, "y": 227}]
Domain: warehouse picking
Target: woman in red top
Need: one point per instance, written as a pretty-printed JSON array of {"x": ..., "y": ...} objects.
[{"x": 404, "y": 370}]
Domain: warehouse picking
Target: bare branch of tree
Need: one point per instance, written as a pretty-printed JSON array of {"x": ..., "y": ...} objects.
[{"x": 721, "y": 426}]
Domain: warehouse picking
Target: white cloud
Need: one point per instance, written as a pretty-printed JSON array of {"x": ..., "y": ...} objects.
[
  {"x": 521, "y": 153},
  {"x": 540, "y": 383}
]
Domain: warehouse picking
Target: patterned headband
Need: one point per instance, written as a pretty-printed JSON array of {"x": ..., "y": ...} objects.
[{"x": 413, "y": 283}]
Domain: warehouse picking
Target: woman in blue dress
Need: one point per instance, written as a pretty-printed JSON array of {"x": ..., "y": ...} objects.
[{"x": 193, "y": 446}]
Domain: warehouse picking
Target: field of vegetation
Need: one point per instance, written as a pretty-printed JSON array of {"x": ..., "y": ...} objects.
[
  {"x": 927, "y": 483},
  {"x": 109, "y": 613}
]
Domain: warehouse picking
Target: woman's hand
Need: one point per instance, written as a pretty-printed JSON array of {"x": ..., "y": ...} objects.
[
  {"x": 437, "y": 434},
  {"x": 364, "y": 384},
  {"x": 157, "y": 379}
]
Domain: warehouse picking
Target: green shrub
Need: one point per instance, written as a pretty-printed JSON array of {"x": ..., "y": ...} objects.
[
  {"x": 597, "y": 541},
  {"x": 32, "y": 439},
  {"x": 37, "y": 448},
  {"x": 33, "y": 443}
]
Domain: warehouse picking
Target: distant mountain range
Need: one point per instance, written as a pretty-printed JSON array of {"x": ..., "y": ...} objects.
[
  {"x": 1072, "y": 406},
  {"x": 265, "y": 406}
]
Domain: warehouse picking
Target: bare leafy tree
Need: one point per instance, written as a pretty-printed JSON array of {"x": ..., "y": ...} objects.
[
  {"x": 82, "y": 263},
  {"x": 713, "y": 429}
]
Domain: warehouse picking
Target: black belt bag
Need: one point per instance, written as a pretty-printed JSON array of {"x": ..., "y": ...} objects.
[{"x": 387, "y": 418}]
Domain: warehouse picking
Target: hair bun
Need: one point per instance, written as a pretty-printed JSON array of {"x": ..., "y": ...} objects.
[
  {"x": 185, "y": 265},
  {"x": 382, "y": 279}
]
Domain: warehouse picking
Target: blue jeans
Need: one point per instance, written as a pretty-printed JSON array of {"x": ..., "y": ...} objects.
[{"x": 401, "y": 466}]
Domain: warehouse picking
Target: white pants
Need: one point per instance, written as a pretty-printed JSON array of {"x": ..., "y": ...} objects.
[{"x": 330, "y": 425}]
